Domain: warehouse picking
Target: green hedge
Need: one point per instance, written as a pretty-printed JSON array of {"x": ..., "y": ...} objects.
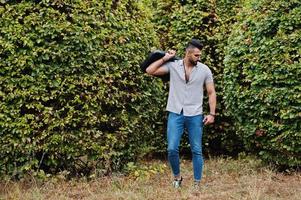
[
  {"x": 72, "y": 96},
  {"x": 262, "y": 79},
  {"x": 209, "y": 21}
]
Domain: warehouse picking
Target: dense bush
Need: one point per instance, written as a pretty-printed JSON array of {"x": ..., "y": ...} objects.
[
  {"x": 209, "y": 21},
  {"x": 72, "y": 96},
  {"x": 262, "y": 84}
]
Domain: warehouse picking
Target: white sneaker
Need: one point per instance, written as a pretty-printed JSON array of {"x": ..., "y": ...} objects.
[{"x": 177, "y": 183}]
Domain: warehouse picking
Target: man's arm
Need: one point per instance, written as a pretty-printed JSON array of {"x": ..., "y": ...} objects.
[
  {"x": 212, "y": 103},
  {"x": 156, "y": 67}
]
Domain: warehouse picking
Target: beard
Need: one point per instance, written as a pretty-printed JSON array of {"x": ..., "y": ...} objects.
[{"x": 193, "y": 62}]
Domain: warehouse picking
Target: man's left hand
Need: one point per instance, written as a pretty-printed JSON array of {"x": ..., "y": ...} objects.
[{"x": 209, "y": 119}]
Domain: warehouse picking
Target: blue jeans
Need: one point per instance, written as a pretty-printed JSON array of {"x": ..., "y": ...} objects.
[{"x": 175, "y": 128}]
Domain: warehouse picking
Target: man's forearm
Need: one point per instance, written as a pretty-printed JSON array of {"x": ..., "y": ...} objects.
[
  {"x": 153, "y": 69},
  {"x": 154, "y": 66},
  {"x": 212, "y": 102}
]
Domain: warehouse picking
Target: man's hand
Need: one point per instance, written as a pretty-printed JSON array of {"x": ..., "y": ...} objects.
[
  {"x": 209, "y": 119},
  {"x": 168, "y": 55},
  {"x": 156, "y": 69}
]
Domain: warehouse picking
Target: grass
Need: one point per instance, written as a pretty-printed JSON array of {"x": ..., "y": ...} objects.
[{"x": 223, "y": 179}]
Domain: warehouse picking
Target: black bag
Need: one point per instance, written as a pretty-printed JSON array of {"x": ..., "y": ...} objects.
[{"x": 152, "y": 57}]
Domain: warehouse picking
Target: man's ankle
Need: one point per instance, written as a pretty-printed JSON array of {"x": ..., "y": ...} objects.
[{"x": 196, "y": 183}]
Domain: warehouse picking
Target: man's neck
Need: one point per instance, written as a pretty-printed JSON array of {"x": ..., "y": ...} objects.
[{"x": 187, "y": 63}]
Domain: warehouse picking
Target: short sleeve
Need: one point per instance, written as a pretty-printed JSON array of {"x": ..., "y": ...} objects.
[
  {"x": 167, "y": 66},
  {"x": 209, "y": 77}
]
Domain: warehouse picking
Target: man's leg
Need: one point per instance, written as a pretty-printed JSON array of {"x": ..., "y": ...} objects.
[
  {"x": 195, "y": 131},
  {"x": 175, "y": 128}
]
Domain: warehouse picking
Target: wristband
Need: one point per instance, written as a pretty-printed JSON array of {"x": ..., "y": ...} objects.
[{"x": 212, "y": 114}]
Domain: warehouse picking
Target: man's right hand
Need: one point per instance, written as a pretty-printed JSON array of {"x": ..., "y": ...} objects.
[
  {"x": 169, "y": 54},
  {"x": 156, "y": 69}
]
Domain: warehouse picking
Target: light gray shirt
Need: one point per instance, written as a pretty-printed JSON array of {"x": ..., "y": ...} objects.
[{"x": 187, "y": 96}]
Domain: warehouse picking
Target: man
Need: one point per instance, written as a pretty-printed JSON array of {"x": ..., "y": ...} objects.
[{"x": 187, "y": 80}]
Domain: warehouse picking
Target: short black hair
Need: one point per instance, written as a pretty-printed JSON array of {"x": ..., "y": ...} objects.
[{"x": 195, "y": 43}]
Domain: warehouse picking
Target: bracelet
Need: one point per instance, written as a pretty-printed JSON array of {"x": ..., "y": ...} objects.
[{"x": 212, "y": 114}]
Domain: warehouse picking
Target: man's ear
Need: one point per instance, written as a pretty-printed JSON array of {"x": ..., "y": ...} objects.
[{"x": 187, "y": 51}]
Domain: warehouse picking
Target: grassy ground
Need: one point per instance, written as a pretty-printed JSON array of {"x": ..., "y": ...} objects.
[{"x": 223, "y": 179}]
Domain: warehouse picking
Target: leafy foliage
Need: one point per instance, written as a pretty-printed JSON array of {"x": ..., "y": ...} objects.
[
  {"x": 262, "y": 79},
  {"x": 72, "y": 96}
]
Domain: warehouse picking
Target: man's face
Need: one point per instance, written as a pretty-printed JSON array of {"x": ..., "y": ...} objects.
[{"x": 194, "y": 55}]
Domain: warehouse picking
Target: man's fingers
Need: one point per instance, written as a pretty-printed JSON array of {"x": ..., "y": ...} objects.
[
  {"x": 172, "y": 52},
  {"x": 207, "y": 120}
]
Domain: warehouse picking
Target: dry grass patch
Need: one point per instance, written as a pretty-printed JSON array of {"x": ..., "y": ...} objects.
[{"x": 223, "y": 179}]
